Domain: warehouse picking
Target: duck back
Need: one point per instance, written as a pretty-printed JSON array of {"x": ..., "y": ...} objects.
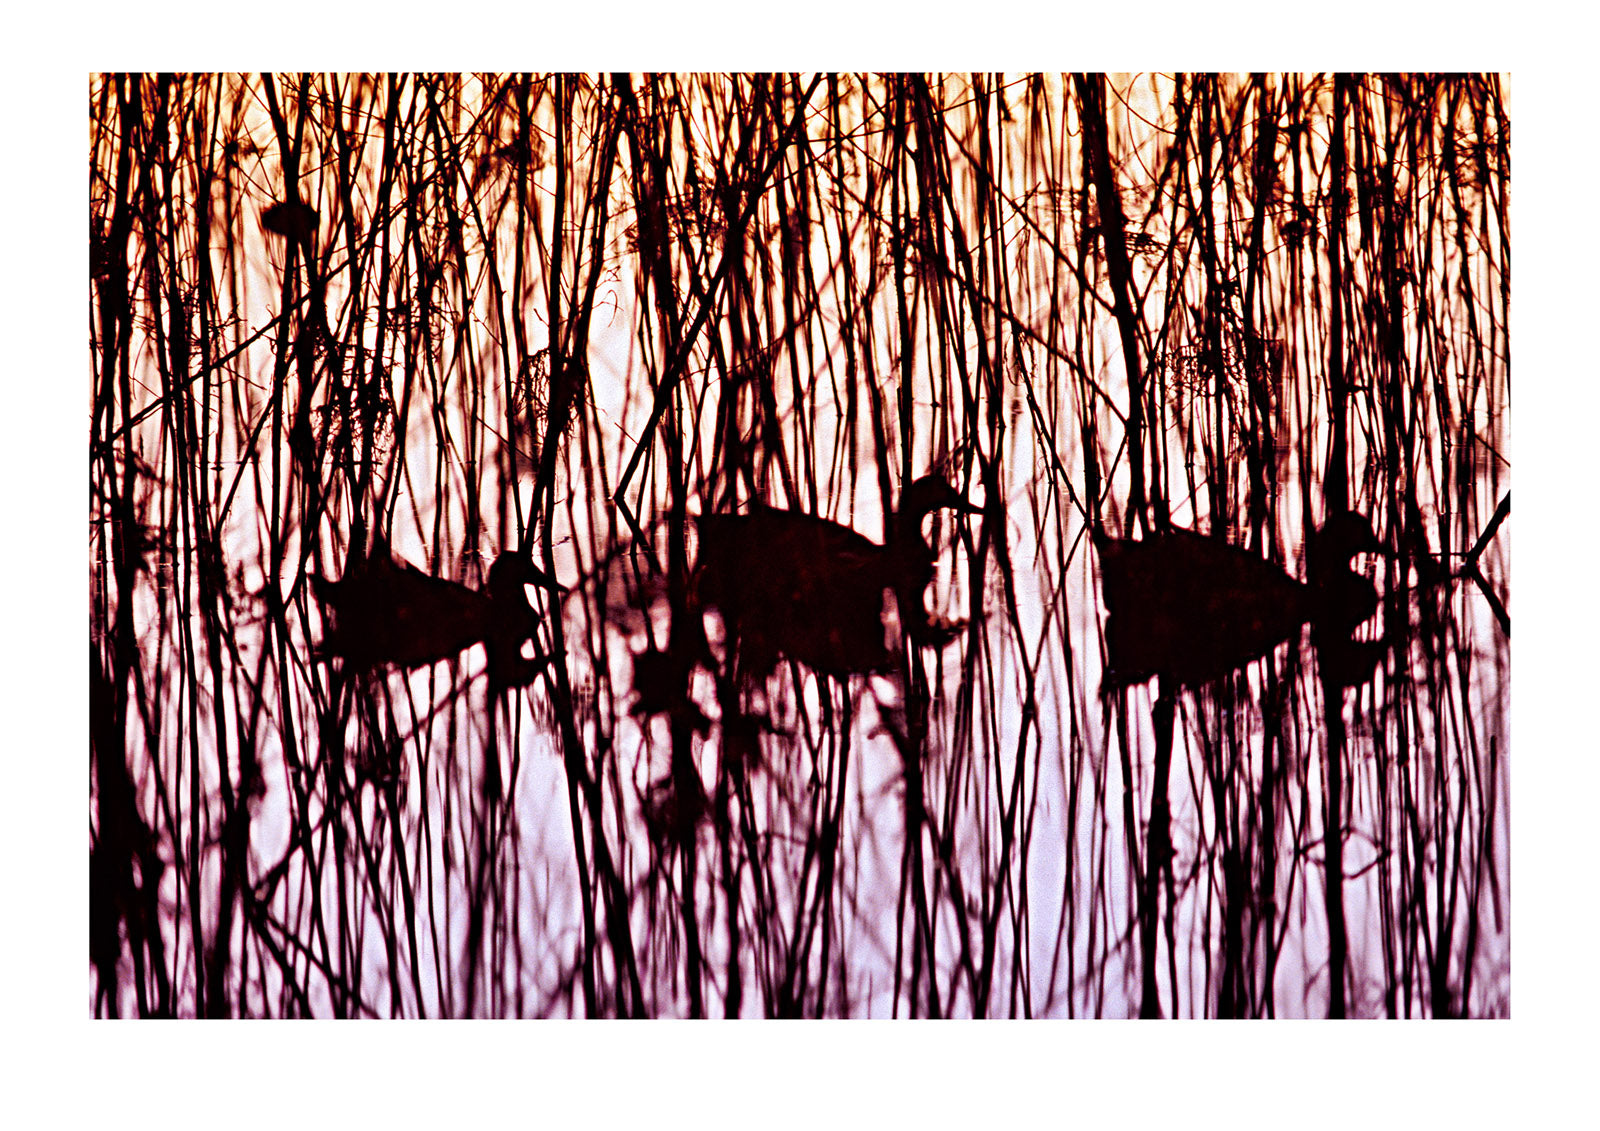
[{"x": 1191, "y": 608}]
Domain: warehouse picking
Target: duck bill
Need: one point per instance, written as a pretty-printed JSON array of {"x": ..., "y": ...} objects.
[
  {"x": 528, "y": 572},
  {"x": 537, "y": 576}
]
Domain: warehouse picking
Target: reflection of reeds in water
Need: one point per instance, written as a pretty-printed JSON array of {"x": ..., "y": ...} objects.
[{"x": 567, "y": 316}]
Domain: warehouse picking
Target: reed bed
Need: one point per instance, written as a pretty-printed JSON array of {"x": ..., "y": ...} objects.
[{"x": 461, "y": 315}]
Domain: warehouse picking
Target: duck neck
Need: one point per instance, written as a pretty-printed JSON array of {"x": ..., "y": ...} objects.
[
  {"x": 905, "y": 535},
  {"x": 1327, "y": 561}
]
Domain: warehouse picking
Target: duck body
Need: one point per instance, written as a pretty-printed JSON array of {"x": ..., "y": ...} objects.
[
  {"x": 388, "y": 613},
  {"x": 1192, "y": 609},
  {"x": 794, "y": 585}
]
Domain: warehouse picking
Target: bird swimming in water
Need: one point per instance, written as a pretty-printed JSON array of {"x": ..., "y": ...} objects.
[
  {"x": 1191, "y": 609},
  {"x": 388, "y": 613},
  {"x": 793, "y": 585}
]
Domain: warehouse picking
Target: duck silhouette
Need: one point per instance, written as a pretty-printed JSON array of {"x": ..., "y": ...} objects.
[
  {"x": 388, "y": 613},
  {"x": 1192, "y": 609},
  {"x": 790, "y": 584}
]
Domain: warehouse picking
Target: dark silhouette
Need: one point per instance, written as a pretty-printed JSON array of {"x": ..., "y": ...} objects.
[
  {"x": 125, "y": 864},
  {"x": 1190, "y": 608},
  {"x": 290, "y": 218},
  {"x": 794, "y": 585},
  {"x": 658, "y": 690},
  {"x": 389, "y": 613}
]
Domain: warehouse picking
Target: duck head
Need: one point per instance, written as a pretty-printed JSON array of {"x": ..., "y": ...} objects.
[
  {"x": 1341, "y": 538},
  {"x": 922, "y": 498},
  {"x": 511, "y": 571},
  {"x": 1344, "y": 599}
]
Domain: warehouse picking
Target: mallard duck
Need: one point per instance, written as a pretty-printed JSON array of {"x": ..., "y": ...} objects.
[
  {"x": 789, "y": 584},
  {"x": 1191, "y": 609},
  {"x": 388, "y": 613}
]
